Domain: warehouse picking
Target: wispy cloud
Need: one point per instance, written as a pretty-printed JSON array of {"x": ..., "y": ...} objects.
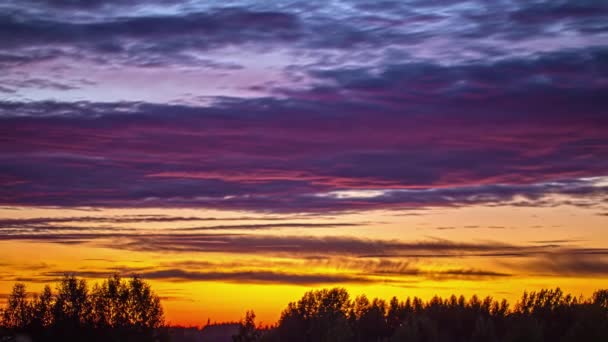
[{"x": 300, "y": 245}]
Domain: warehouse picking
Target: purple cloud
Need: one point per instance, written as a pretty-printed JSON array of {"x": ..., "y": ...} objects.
[
  {"x": 372, "y": 111},
  {"x": 420, "y": 135}
]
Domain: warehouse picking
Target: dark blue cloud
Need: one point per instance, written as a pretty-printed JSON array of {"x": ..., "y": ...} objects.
[{"x": 142, "y": 33}]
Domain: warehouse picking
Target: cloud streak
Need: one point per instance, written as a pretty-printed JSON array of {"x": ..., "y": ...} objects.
[
  {"x": 300, "y": 246},
  {"x": 324, "y": 260},
  {"x": 410, "y": 165},
  {"x": 104, "y": 29}
]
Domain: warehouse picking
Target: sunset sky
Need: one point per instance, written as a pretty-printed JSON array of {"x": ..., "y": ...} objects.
[{"x": 239, "y": 153}]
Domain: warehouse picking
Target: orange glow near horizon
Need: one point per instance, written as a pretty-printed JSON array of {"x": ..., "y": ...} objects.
[{"x": 488, "y": 251}]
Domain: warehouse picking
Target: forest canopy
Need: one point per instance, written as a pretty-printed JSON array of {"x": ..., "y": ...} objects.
[
  {"x": 332, "y": 315},
  {"x": 115, "y": 310},
  {"x": 128, "y": 310}
]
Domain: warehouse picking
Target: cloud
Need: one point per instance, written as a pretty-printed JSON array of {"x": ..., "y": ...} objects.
[
  {"x": 255, "y": 277},
  {"x": 433, "y": 130},
  {"x": 468, "y": 274},
  {"x": 48, "y": 221},
  {"x": 384, "y": 271},
  {"x": 221, "y": 26},
  {"x": 93, "y": 229},
  {"x": 121, "y": 222},
  {"x": 358, "y": 132},
  {"x": 407, "y": 267},
  {"x": 300, "y": 246},
  {"x": 318, "y": 246},
  {"x": 12, "y": 86},
  {"x": 158, "y": 33},
  {"x": 590, "y": 264},
  {"x": 325, "y": 259},
  {"x": 270, "y": 226},
  {"x": 469, "y": 227}
]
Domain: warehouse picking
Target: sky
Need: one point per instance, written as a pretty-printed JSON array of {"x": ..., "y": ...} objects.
[{"x": 239, "y": 153}]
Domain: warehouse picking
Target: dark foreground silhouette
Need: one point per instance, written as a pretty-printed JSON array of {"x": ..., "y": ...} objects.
[
  {"x": 128, "y": 310},
  {"x": 115, "y": 310},
  {"x": 331, "y": 315}
]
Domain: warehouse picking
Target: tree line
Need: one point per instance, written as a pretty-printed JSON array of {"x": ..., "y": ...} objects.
[
  {"x": 115, "y": 310},
  {"x": 128, "y": 310},
  {"x": 331, "y": 315}
]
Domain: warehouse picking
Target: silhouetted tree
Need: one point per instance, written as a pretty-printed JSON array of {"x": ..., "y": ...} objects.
[
  {"x": 42, "y": 314},
  {"x": 143, "y": 305},
  {"x": 116, "y": 310},
  {"x": 128, "y": 310},
  {"x": 109, "y": 303},
  {"x": 547, "y": 315},
  {"x": 317, "y": 316},
  {"x": 396, "y": 314},
  {"x": 600, "y": 298},
  {"x": 18, "y": 312},
  {"x": 42, "y": 309},
  {"x": 247, "y": 330},
  {"x": 72, "y": 309},
  {"x": 371, "y": 322}
]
